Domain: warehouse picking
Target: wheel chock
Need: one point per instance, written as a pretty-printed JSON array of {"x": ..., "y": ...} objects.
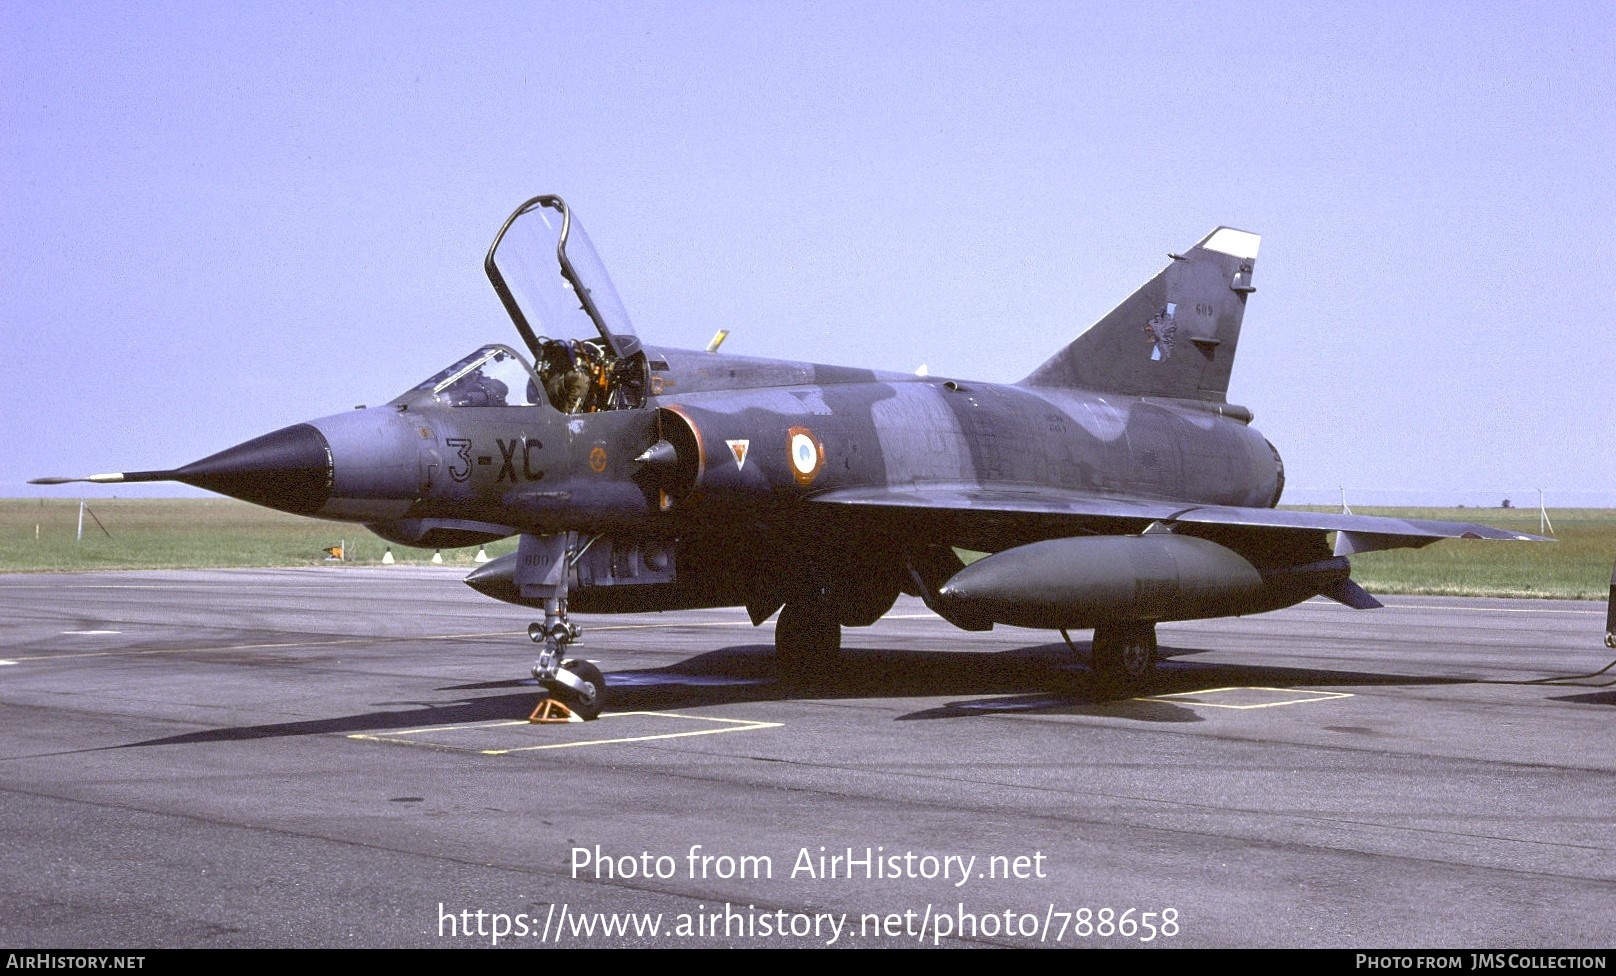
[{"x": 552, "y": 712}]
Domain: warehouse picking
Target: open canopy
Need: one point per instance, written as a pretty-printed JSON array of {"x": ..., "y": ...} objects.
[{"x": 551, "y": 280}]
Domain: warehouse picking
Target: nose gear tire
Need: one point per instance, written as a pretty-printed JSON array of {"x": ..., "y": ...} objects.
[{"x": 586, "y": 705}]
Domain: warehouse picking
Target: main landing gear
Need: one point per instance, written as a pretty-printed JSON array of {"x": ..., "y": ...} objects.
[
  {"x": 808, "y": 639},
  {"x": 1124, "y": 657}
]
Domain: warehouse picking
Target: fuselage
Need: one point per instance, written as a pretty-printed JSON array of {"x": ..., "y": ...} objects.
[{"x": 759, "y": 434}]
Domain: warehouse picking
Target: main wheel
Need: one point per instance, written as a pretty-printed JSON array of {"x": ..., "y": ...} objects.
[
  {"x": 586, "y": 705},
  {"x": 1125, "y": 656},
  {"x": 807, "y": 640}
]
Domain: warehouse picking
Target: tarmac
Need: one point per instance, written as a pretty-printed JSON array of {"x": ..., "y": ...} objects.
[{"x": 340, "y": 756}]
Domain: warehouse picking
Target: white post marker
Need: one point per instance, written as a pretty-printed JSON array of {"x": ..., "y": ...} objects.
[
  {"x": 482, "y": 555},
  {"x": 1544, "y": 526},
  {"x": 80, "y": 536},
  {"x": 387, "y": 557},
  {"x": 437, "y": 556}
]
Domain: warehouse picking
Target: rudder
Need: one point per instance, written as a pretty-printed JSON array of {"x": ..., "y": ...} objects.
[{"x": 1175, "y": 336}]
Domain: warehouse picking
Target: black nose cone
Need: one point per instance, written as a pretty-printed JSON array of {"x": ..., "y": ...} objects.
[
  {"x": 289, "y": 469},
  {"x": 497, "y": 578}
]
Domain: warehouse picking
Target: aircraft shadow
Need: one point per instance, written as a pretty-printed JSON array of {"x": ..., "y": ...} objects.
[
  {"x": 1038, "y": 679},
  {"x": 1042, "y": 679},
  {"x": 490, "y": 709}
]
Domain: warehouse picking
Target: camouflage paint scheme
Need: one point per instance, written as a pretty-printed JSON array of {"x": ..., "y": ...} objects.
[{"x": 1114, "y": 487}]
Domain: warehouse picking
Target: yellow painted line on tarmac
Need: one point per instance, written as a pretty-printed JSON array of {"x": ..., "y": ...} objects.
[
  {"x": 739, "y": 725},
  {"x": 93, "y": 586},
  {"x": 347, "y": 640},
  {"x": 361, "y": 640},
  {"x": 1319, "y": 601},
  {"x": 1420, "y": 606},
  {"x": 339, "y": 642},
  {"x": 732, "y": 725},
  {"x": 264, "y": 647},
  {"x": 447, "y": 728},
  {"x": 397, "y": 738},
  {"x": 177, "y": 585},
  {"x": 1194, "y": 697}
]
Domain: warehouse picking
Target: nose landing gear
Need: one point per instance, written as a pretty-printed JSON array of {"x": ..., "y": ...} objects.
[
  {"x": 573, "y": 682},
  {"x": 543, "y": 565}
]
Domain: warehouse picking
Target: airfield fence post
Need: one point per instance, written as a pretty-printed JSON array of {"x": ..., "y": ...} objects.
[{"x": 80, "y": 536}]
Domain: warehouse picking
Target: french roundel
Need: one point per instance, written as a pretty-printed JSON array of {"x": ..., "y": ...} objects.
[{"x": 807, "y": 454}]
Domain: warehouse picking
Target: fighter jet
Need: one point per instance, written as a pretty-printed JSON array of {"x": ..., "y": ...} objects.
[{"x": 1113, "y": 488}]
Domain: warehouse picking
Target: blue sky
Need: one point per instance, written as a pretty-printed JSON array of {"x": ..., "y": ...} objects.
[{"x": 218, "y": 221}]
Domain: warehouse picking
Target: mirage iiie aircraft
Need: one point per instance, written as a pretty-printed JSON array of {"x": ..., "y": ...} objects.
[{"x": 1113, "y": 488}]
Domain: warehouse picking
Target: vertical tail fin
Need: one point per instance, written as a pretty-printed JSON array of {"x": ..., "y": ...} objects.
[{"x": 1175, "y": 336}]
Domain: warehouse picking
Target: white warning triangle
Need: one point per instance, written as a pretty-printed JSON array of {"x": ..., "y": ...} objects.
[{"x": 738, "y": 448}]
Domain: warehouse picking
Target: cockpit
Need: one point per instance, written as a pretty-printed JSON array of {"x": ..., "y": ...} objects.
[
  {"x": 493, "y": 376},
  {"x": 549, "y": 278},
  {"x": 574, "y": 376}
]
